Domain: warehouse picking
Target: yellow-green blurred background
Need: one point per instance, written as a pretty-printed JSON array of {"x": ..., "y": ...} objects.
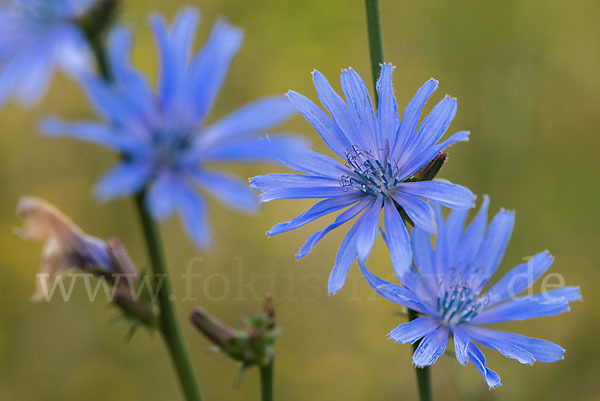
[{"x": 526, "y": 77}]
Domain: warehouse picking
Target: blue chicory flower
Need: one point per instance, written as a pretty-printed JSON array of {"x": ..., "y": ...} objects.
[
  {"x": 162, "y": 136},
  {"x": 37, "y": 36},
  {"x": 379, "y": 156},
  {"x": 452, "y": 293}
]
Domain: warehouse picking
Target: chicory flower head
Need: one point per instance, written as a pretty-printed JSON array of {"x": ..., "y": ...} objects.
[
  {"x": 37, "y": 36},
  {"x": 162, "y": 135},
  {"x": 452, "y": 293},
  {"x": 379, "y": 156}
]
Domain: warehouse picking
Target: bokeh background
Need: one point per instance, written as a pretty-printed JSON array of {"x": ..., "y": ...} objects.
[{"x": 526, "y": 77}]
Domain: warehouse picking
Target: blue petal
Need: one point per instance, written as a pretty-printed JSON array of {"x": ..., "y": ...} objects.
[
  {"x": 387, "y": 108},
  {"x": 520, "y": 278},
  {"x": 108, "y": 104},
  {"x": 313, "y": 163},
  {"x": 419, "y": 211},
  {"x": 194, "y": 216},
  {"x": 343, "y": 217},
  {"x": 432, "y": 129},
  {"x": 528, "y": 307},
  {"x": 345, "y": 256},
  {"x": 411, "y": 332},
  {"x": 131, "y": 85},
  {"x": 495, "y": 243},
  {"x": 398, "y": 241},
  {"x": 411, "y": 278},
  {"x": 461, "y": 345},
  {"x": 400, "y": 295},
  {"x": 360, "y": 106},
  {"x": 33, "y": 72},
  {"x": 320, "y": 209},
  {"x": 228, "y": 190},
  {"x": 95, "y": 133},
  {"x": 209, "y": 69},
  {"x": 367, "y": 232},
  {"x": 336, "y": 106},
  {"x": 412, "y": 115},
  {"x": 250, "y": 120},
  {"x": 475, "y": 233},
  {"x": 478, "y": 359},
  {"x": 423, "y": 254},
  {"x": 451, "y": 195},
  {"x": 541, "y": 350},
  {"x": 125, "y": 179},
  {"x": 161, "y": 200},
  {"x": 442, "y": 243},
  {"x": 489, "y": 339},
  {"x": 431, "y": 348},
  {"x": 72, "y": 52},
  {"x": 269, "y": 182},
  {"x": 325, "y": 126},
  {"x": 253, "y": 150},
  {"x": 301, "y": 193},
  {"x": 453, "y": 230},
  {"x": 409, "y": 167}
]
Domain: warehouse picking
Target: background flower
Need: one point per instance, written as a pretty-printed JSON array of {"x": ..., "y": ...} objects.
[
  {"x": 380, "y": 155},
  {"x": 452, "y": 292},
  {"x": 162, "y": 135},
  {"x": 37, "y": 36}
]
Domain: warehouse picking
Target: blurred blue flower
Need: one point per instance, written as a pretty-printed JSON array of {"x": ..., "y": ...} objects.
[
  {"x": 37, "y": 36},
  {"x": 452, "y": 292},
  {"x": 380, "y": 155},
  {"x": 162, "y": 136}
]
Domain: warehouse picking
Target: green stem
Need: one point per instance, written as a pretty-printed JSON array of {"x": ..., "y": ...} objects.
[
  {"x": 168, "y": 323},
  {"x": 266, "y": 382},
  {"x": 376, "y": 51},
  {"x": 423, "y": 374},
  {"x": 375, "y": 39}
]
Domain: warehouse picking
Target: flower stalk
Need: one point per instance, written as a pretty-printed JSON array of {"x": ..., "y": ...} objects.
[
  {"x": 423, "y": 374},
  {"x": 377, "y": 59},
  {"x": 375, "y": 39},
  {"x": 168, "y": 323},
  {"x": 167, "y": 320}
]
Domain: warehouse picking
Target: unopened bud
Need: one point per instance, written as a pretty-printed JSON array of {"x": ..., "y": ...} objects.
[
  {"x": 215, "y": 330},
  {"x": 430, "y": 170}
]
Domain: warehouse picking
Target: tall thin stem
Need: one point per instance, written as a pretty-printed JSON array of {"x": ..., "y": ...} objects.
[
  {"x": 168, "y": 322},
  {"x": 375, "y": 39},
  {"x": 266, "y": 382},
  {"x": 376, "y": 52},
  {"x": 423, "y": 374}
]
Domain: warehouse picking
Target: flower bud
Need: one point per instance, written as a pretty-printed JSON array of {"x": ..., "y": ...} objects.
[
  {"x": 254, "y": 345},
  {"x": 215, "y": 330},
  {"x": 430, "y": 170}
]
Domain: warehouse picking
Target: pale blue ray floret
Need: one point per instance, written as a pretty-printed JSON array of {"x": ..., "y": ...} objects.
[
  {"x": 162, "y": 135},
  {"x": 450, "y": 290},
  {"x": 36, "y": 37},
  {"x": 379, "y": 154}
]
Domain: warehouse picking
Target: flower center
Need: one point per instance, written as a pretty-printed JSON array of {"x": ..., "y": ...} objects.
[
  {"x": 460, "y": 297},
  {"x": 169, "y": 147},
  {"x": 371, "y": 175}
]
